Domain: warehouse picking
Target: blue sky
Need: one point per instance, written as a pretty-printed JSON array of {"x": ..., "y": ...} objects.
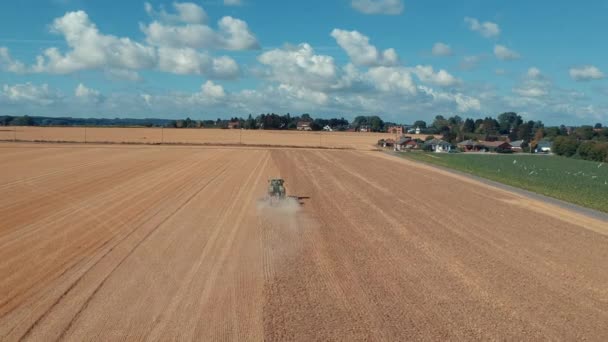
[{"x": 401, "y": 59}]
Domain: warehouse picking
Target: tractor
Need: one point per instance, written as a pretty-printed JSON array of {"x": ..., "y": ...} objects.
[{"x": 276, "y": 189}]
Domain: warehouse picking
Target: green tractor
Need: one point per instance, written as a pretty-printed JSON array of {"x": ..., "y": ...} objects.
[{"x": 276, "y": 189}]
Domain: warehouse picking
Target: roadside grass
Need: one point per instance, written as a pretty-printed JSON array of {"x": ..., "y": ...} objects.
[{"x": 576, "y": 181}]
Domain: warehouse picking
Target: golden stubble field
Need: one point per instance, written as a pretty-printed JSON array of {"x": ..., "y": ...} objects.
[
  {"x": 137, "y": 242},
  {"x": 344, "y": 140}
]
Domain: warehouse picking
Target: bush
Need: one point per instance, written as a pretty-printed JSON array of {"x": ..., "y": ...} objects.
[{"x": 565, "y": 146}]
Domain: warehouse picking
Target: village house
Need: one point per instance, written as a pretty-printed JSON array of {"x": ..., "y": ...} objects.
[
  {"x": 516, "y": 145},
  {"x": 496, "y": 146},
  {"x": 234, "y": 125},
  {"x": 437, "y": 145},
  {"x": 470, "y": 146},
  {"x": 395, "y": 130},
  {"x": 405, "y": 143},
  {"x": 304, "y": 126}
]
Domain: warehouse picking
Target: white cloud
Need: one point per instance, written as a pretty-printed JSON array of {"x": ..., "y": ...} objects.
[
  {"x": 487, "y": 29},
  {"x": 504, "y": 53},
  {"x": 462, "y": 102},
  {"x": 7, "y": 63},
  {"x": 470, "y": 62},
  {"x": 390, "y": 7},
  {"x": 300, "y": 66},
  {"x": 395, "y": 79},
  {"x": 441, "y": 78},
  {"x": 87, "y": 94},
  {"x": 361, "y": 52},
  {"x": 441, "y": 49},
  {"x": 120, "y": 58},
  {"x": 92, "y": 50},
  {"x": 185, "y": 12},
  {"x": 586, "y": 73},
  {"x": 233, "y": 34},
  {"x": 122, "y": 74},
  {"x": 535, "y": 85},
  {"x": 232, "y": 2},
  {"x": 530, "y": 91},
  {"x": 534, "y": 73},
  {"x": 193, "y": 36},
  {"x": 187, "y": 61},
  {"x": 30, "y": 94}
]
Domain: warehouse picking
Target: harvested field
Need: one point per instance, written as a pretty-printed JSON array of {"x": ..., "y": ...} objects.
[
  {"x": 118, "y": 242},
  {"x": 342, "y": 140}
]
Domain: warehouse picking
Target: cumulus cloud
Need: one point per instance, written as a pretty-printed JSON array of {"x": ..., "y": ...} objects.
[
  {"x": 534, "y": 85},
  {"x": 361, "y": 52},
  {"x": 89, "y": 49},
  {"x": 427, "y": 75},
  {"x": 173, "y": 48},
  {"x": 534, "y": 73},
  {"x": 28, "y": 93},
  {"x": 7, "y": 63},
  {"x": 441, "y": 49},
  {"x": 87, "y": 94},
  {"x": 504, "y": 53},
  {"x": 392, "y": 79},
  {"x": 182, "y": 31},
  {"x": 586, "y": 73},
  {"x": 462, "y": 102},
  {"x": 187, "y": 61},
  {"x": 487, "y": 29},
  {"x": 470, "y": 62},
  {"x": 185, "y": 12},
  {"x": 122, "y": 74},
  {"x": 300, "y": 66},
  {"x": 390, "y": 7}
]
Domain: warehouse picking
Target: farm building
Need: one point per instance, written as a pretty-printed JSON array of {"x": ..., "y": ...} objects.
[
  {"x": 395, "y": 130},
  {"x": 470, "y": 146},
  {"x": 234, "y": 125},
  {"x": 437, "y": 145},
  {"x": 516, "y": 145},
  {"x": 496, "y": 146},
  {"x": 328, "y": 128},
  {"x": 304, "y": 126}
]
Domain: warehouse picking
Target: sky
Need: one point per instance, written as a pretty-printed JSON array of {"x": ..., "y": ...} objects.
[{"x": 401, "y": 59}]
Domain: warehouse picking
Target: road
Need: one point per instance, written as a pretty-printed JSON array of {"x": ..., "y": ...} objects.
[{"x": 173, "y": 243}]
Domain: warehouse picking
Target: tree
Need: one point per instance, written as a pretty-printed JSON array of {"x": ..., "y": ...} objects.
[
  {"x": 597, "y": 126},
  {"x": 22, "y": 121},
  {"x": 584, "y": 132},
  {"x": 440, "y": 123},
  {"x": 377, "y": 125},
  {"x": 565, "y": 146},
  {"x": 508, "y": 122},
  {"x": 468, "y": 126},
  {"x": 420, "y": 123}
]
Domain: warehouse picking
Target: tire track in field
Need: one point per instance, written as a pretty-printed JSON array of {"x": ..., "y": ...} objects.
[
  {"x": 221, "y": 168},
  {"x": 168, "y": 186},
  {"x": 210, "y": 246}
]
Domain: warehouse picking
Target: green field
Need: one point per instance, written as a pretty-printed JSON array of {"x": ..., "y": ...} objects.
[{"x": 577, "y": 181}]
